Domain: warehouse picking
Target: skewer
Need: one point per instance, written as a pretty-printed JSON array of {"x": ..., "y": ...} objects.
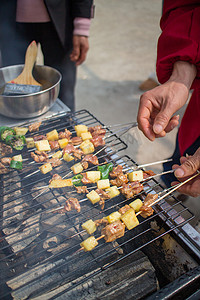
[{"x": 148, "y": 164}]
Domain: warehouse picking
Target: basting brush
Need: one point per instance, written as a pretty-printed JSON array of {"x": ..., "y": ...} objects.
[{"x": 24, "y": 83}]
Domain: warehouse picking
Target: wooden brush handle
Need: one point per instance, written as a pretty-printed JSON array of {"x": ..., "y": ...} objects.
[{"x": 26, "y": 76}]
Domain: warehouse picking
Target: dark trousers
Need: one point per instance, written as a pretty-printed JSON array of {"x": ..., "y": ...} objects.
[{"x": 14, "y": 44}]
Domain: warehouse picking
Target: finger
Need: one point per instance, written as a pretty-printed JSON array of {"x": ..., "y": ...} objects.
[
  {"x": 172, "y": 123},
  {"x": 162, "y": 119},
  {"x": 82, "y": 56},
  {"x": 189, "y": 166}
]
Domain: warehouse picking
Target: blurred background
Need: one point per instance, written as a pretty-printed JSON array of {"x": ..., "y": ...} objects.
[{"x": 122, "y": 55}]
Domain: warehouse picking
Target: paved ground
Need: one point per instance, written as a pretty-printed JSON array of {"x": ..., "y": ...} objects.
[{"x": 122, "y": 54}]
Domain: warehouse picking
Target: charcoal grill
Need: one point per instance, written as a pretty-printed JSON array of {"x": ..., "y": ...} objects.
[{"x": 40, "y": 250}]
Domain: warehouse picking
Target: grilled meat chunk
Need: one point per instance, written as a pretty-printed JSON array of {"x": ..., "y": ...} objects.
[
  {"x": 119, "y": 180},
  {"x": 39, "y": 156},
  {"x": 146, "y": 211},
  {"x": 34, "y": 127},
  {"x": 39, "y": 137},
  {"x": 69, "y": 149},
  {"x": 92, "y": 159},
  {"x": 6, "y": 161},
  {"x": 81, "y": 189},
  {"x": 76, "y": 140},
  {"x": 113, "y": 231},
  {"x": 84, "y": 164},
  {"x": 72, "y": 203},
  {"x": 5, "y": 149},
  {"x": 64, "y": 134},
  {"x": 124, "y": 208},
  {"x": 54, "y": 145},
  {"x": 55, "y": 162},
  {"x": 3, "y": 169},
  {"x": 85, "y": 180},
  {"x": 78, "y": 153},
  {"x": 97, "y": 141},
  {"x": 100, "y": 222},
  {"x": 97, "y": 130},
  {"x": 55, "y": 177},
  {"x": 116, "y": 171},
  {"x": 148, "y": 173},
  {"x": 131, "y": 189},
  {"x": 103, "y": 196},
  {"x": 150, "y": 198}
]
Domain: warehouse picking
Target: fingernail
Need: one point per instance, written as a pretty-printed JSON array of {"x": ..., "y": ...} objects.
[
  {"x": 179, "y": 172},
  {"x": 157, "y": 128}
]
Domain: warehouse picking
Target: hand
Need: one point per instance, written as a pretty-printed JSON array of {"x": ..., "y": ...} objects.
[
  {"x": 189, "y": 166},
  {"x": 80, "y": 49},
  {"x": 157, "y": 106}
]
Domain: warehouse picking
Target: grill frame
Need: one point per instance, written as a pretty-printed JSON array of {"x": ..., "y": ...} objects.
[{"x": 180, "y": 230}]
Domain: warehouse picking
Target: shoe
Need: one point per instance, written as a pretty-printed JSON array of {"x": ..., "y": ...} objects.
[{"x": 148, "y": 84}]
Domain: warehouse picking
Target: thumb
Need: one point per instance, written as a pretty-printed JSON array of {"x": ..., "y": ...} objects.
[
  {"x": 190, "y": 166},
  {"x": 161, "y": 121}
]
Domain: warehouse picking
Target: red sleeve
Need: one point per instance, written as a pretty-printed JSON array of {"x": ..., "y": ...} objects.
[{"x": 180, "y": 37}]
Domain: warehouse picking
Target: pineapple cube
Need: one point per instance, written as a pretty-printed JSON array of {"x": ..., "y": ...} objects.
[
  {"x": 60, "y": 183},
  {"x": 20, "y": 130},
  {"x": 93, "y": 197},
  {"x": 86, "y": 136},
  {"x": 115, "y": 216},
  {"x": 103, "y": 184},
  {"x": 129, "y": 219},
  {"x": 42, "y": 145},
  {"x": 63, "y": 143},
  {"x": 93, "y": 176},
  {"x": 30, "y": 143},
  {"x": 136, "y": 175},
  {"x": 89, "y": 226},
  {"x": 45, "y": 168},
  {"x": 136, "y": 205},
  {"x": 113, "y": 191},
  {"x": 67, "y": 157},
  {"x": 77, "y": 168},
  {"x": 17, "y": 158},
  {"x": 87, "y": 147},
  {"x": 57, "y": 154},
  {"x": 52, "y": 135},
  {"x": 80, "y": 129},
  {"x": 89, "y": 244}
]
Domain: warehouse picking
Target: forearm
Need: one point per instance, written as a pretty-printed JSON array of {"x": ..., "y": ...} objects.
[{"x": 183, "y": 72}]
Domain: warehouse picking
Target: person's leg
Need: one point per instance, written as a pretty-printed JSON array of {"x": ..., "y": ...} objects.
[{"x": 57, "y": 57}]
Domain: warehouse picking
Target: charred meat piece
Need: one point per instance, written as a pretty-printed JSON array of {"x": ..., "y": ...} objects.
[
  {"x": 97, "y": 141},
  {"x": 34, "y": 127},
  {"x": 131, "y": 189},
  {"x": 113, "y": 231},
  {"x": 54, "y": 145},
  {"x": 150, "y": 199},
  {"x": 55, "y": 162},
  {"x": 146, "y": 211},
  {"x": 94, "y": 128},
  {"x": 78, "y": 153},
  {"x": 100, "y": 222},
  {"x": 148, "y": 173},
  {"x": 85, "y": 180},
  {"x": 64, "y": 134},
  {"x": 3, "y": 169},
  {"x": 124, "y": 208},
  {"x": 39, "y": 137},
  {"x": 76, "y": 140},
  {"x": 5, "y": 149},
  {"x": 92, "y": 159},
  {"x": 103, "y": 196},
  {"x": 97, "y": 130},
  {"x": 6, "y": 161},
  {"x": 72, "y": 203},
  {"x": 84, "y": 164},
  {"x": 39, "y": 156},
  {"x": 116, "y": 171},
  {"x": 55, "y": 177},
  {"x": 69, "y": 149},
  {"x": 81, "y": 189},
  {"x": 119, "y": 180}
]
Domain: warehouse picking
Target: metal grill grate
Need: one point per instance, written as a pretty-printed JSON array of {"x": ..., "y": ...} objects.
[{"x": 40, "y": 248}]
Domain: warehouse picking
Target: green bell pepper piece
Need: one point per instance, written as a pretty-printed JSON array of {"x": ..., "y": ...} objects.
[
  {"x": 14, "y": 164},
  {"x": 105, "y": 170},
  {"x": 17, "y": 142},
  {"x": 6, "y": 132},
  {"x": 76, "y": 180}
]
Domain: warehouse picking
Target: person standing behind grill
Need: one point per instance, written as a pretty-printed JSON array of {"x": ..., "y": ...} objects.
[
  {"x": 60, "y": 26},
  {"x": 178, "y": 70}
]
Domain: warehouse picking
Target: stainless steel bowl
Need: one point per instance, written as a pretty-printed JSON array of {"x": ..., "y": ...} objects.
[{"x": 32, "y": 105}]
